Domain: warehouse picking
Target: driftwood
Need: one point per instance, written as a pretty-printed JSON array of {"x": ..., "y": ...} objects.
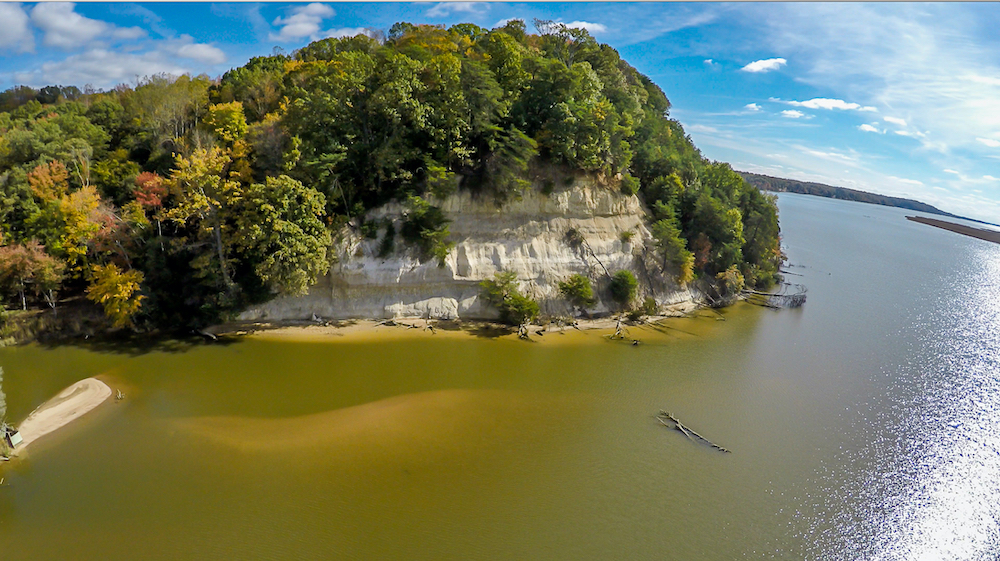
[
  {"x": 208, "y": 336},
  {"x": 666, "y": 419},
  {"x": 777, "y": 300},
  {"x": 620, "y": 331},
  {"x": 522, "y": 332},
  {"x": 394, "y": 323}
]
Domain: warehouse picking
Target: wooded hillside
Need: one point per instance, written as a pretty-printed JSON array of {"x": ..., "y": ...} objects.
[{"x": 178, "y": 201}]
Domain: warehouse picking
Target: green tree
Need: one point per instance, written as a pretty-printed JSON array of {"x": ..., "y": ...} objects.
[
  {"x": 578, "y": 291},
  {"x": 673, "y": 248},
  {"x": 279, "y": 232},
  {"x": 501, "y": 292},
  {"x": 426, "y": 226},
  {"x": 623, "y": 288}
]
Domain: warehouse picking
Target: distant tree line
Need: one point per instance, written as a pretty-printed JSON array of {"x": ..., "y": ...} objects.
[
  {"x": 779, "y": 185},
  {"x": 178, "y": 201}
]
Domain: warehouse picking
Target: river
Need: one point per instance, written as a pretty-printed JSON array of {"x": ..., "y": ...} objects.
[{"x": 865, "y": 425}]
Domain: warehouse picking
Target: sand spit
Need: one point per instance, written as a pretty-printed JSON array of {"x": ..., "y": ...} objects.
[
  {"x": 69, "y": 405},
  {"x": 981, "y": 233}
]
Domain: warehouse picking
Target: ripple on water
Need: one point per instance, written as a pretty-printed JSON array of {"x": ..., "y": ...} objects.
[{"x": 930, "y": 485}]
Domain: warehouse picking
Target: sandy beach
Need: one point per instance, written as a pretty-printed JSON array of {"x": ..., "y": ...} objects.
[
  {"x": 69, "y": 405},
  {"x": 364, "y": 329}
]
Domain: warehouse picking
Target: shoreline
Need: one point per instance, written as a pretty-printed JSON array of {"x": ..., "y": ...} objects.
[{"x": 369, "y": 329}]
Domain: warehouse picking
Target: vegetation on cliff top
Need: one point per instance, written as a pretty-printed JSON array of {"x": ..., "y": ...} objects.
[{"x": 221, "y": 193}]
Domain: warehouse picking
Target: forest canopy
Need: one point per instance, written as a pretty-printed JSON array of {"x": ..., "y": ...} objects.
[{"x": 220, "y": 193}]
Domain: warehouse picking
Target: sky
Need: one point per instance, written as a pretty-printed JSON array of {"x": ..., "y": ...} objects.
[{"x": 893, "y": 98}]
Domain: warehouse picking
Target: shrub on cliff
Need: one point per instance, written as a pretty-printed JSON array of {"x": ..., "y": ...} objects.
[
  {"x": 502, "y": 293},
  {"x": 623, "y": 288},
  {"x": 578, "y": 291},
  {"x": 426, "y": 226}
]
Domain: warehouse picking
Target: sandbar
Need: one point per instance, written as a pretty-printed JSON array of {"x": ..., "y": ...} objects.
[
  {"x": 69, "y": 405},
  {"x": 980, "y": 233}
]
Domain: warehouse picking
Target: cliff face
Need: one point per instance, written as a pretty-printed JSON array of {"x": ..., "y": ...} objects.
[{"x": 532, "y": 237}]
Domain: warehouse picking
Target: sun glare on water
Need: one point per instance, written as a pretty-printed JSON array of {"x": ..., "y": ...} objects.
[{"x": 947, "y": 497}]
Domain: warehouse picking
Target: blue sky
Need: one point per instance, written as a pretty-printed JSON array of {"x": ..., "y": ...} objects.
[{"x": 899, "y": 99}]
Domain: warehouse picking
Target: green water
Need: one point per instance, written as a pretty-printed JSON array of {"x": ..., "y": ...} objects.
[{"x": 862, "y": 426}]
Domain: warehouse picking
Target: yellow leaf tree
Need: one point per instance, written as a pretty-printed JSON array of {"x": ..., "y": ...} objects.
[{"x": 117, "y": 292}]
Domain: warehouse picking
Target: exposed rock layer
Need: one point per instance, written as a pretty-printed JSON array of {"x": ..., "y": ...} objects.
[{"x": 533, "y": 237}]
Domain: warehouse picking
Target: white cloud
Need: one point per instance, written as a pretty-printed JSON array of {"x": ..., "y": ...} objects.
[
  {"x": 64, "y": 28},
  {"x": 895, "y": 121},
  {"x": 868, "y": 128},
  {"x": 826, "y": 103},
  {"x": 906, "y": 181},
  {"x": 709, "y": 61},
  {"x": 102, "y": 68},
  {"x": 991, "y": 178},
  {"x": 304, "y": 21},
  {"x": 346, "y": 32},
  {"x": 832, "y": 156},
  {"x": 443, "y": 9},
  {"x": 793, "y": 114},
  {"x": 911, "y": 134},
  {"x": 591, "y": 27},
  {"x": 702, "y": 128},
  {"x": 752, "y": 107},
  {"x": 185, "y": 47},
  {"x": 931, "y": 61},
  {"x": 990, "y": 142},
  {"x": 951, "y": 171},
  {"x": 504, "y": 22},
  {"x": 17, "y": 35},
  {"x": 765, "y": 65}
]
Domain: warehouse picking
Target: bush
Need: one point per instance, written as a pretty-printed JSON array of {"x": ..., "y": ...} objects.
[
  {"x": 369, "y": 229},
  {"x": 388, "y": 243},
  {"x": 501, "y": 292},
  {"x": 648, "y": 308},
  {"x": 674, "y": 250},
  {"x": 629, "y": 185},
  {"x": 578, "y": 291},
  {"x": 623, "y": 288},
  {"x": 731, "y": 281},
  {"x": 426, "y": 226}
]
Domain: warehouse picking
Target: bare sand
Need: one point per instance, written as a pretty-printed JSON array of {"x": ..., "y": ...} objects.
[
  {"x": 980, "y": 233},
  {"x": 367, "y": 329},
  {"x": 69, "y": 405}
]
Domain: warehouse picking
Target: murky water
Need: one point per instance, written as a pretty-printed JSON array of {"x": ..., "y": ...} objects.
[{"x": 864, "y": 426}]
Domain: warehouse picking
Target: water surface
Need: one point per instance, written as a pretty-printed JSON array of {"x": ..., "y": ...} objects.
[{"x": 865, "y": 425}]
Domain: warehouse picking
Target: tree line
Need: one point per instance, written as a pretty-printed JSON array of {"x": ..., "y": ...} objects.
[{"x": 179, "y": 201}]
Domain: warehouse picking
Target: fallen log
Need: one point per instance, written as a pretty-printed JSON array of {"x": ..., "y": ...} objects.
[{"x": 693, "y": 436}]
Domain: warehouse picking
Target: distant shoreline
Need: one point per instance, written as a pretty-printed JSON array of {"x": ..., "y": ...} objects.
[
  {"x": 980, "y": 233},
  {"x": 782, "y": 185}
]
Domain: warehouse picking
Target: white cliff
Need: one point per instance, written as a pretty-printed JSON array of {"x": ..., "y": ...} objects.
[{"x": 531, "y": 237}]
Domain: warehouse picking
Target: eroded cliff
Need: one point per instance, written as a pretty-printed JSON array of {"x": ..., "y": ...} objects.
[{"x": 586, "y": 228}]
